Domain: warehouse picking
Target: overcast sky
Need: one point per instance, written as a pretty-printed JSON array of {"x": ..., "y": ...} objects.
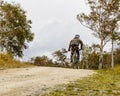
[{"x": 54, "y": 25}]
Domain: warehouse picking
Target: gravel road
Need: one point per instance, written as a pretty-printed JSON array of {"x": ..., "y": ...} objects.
[{"x": 36, "y": 80}]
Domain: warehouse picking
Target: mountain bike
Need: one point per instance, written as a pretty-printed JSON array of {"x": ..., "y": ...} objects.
[{"x": 75, "y": 60}]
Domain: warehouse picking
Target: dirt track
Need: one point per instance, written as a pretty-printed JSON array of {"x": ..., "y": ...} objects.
[{"x": 36, "y": 80}]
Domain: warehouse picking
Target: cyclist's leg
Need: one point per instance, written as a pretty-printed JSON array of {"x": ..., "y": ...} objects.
[
  {"x": 72, "y": 52},
  {"x": 78, "y": 53}
]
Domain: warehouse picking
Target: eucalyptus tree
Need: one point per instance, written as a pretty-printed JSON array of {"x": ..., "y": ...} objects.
[
  {"x": 103, "y": 20},
  {"x": 15, "y": 29},
  {"x": 60, "y": 56}
]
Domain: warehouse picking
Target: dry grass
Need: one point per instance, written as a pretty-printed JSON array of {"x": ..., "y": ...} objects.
[{"x": 8, "y": 61}]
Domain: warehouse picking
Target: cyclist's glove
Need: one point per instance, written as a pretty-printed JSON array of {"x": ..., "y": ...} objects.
[
  {"x": 81, "y": 49},
  {"x": 69, "y": 49}
]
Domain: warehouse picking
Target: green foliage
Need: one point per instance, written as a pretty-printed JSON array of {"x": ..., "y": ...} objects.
[
  {"x": 42, "y": 61},
  {"x": 15, "y": 29},
  {"x": 117, "y": 56},
  {"x": 104, "y": 83},
  {"x": 107, "y": 60},
  {"x": 45, "y": 61},
  {"x": 90, "y": 57},
  {"x": 61, "y": 57},
  {"x": 103, "y": 20}
]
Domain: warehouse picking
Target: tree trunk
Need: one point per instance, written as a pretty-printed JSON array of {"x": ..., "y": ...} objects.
[
  {"x": 101, "y": 57},
  {"x": 100, "y": 61}
]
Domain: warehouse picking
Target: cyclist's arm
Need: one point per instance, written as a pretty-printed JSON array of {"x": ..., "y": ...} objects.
[
  {"x": 81, "y": 43},
  {"x": 69, "y": 46}
]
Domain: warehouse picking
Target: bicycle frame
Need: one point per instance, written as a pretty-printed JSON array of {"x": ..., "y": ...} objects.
[{"x": 75, "y": 60}]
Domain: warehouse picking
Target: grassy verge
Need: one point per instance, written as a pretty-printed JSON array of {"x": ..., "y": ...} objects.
[
  {"x": 105, "y": 83},
  {"x": 7, "y": 61}
]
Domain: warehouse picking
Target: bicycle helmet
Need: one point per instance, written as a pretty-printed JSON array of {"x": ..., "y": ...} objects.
[{"x": 77, "y": 36}]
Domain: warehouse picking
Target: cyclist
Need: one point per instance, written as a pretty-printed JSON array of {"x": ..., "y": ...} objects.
[{"x": 75, "y": 43}]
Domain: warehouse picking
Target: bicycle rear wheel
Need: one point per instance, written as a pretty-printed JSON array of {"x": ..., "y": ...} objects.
[{"x": 75, "y": 61}]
